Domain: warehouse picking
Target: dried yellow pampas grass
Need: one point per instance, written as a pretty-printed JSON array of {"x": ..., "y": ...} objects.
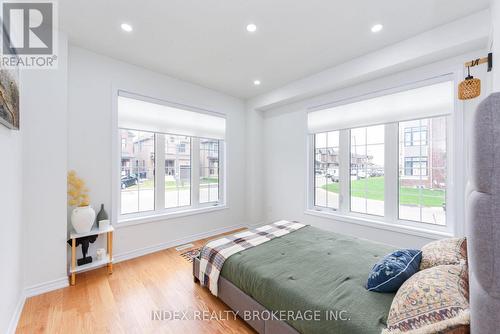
[{"x": 78, "y": 193}]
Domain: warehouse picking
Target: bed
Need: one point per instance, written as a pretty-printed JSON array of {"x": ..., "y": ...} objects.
[
  {"x": 300, "y": 272},
  {"x": 315, "y": 269}
]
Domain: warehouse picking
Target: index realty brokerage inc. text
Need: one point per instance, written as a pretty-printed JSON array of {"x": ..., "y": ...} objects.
[{"x": 282, "y": 315}]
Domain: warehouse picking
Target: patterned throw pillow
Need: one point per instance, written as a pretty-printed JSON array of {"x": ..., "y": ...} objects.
[
  {"x": 388, "y": 274},
  {"x": 445, "y": 251},
  {"x": 434, "y": 300}
]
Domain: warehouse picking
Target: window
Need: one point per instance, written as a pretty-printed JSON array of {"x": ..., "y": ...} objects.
[
  {"x": 209, "y": 170},
  {"x": 137, "y": 181},
  {"x": 415, "y": 136},
  {"x": 181, "y": 148},
  {"x": 171, "y": 159},
  {"x": 422, "y": 181},
  {"x": 326, "y": 170},
  {"x": 177, "y": 172},
  {"x": 384, "y": 159},
  {"x": 367, "y": 170}
]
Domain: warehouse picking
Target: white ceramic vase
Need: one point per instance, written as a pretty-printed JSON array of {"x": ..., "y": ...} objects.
[{"x": 82, "y": 219}]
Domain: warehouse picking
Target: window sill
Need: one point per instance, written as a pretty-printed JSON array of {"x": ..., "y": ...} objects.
[
  {"x": 123, "y": 222},
  {"x": 421, "y": 232}
]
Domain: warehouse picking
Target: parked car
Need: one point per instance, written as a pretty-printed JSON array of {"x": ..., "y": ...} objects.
[
  {"x": 334, "y": 178},
  {"x": 376, "y": 172},
  {"x": 129, "y": 181}
]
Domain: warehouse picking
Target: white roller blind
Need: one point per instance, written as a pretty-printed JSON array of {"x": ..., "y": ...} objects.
[
  {"x": 147, "y": 116},
  {"x": 428, "y": 101}
]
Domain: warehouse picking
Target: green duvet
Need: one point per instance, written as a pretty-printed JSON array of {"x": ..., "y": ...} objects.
[{"x": 314, "y": 280}]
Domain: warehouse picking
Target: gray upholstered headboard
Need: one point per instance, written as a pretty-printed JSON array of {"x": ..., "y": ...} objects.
[{"x": 483, "y": 219}]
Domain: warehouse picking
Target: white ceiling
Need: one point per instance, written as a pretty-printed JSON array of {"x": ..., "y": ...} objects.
[{"x": 205, "y": 41}]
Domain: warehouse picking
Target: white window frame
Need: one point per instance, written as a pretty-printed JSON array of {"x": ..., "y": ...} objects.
[
  {"x": 161, "y": 213},
  {"x": 390, "y": 221},
  {"x": 313, "y": 180}
]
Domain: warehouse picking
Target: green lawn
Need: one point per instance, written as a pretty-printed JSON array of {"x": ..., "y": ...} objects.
[
  {"x": 209, "y": 180},
  {"x": 373, "y": 188}
]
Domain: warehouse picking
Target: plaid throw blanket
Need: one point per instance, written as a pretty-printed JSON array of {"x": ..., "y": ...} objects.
[{"x": 215, "y": 252}]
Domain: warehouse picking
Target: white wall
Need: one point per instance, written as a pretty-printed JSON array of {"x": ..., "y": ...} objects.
[
  {"x": 285, "y": 153},
  {"x": 495, "y": 19},
  {"x": 254, "y": 167},
  {"x": 44, "y": 110},
  {"x": 33, "y": 191},
  {"x": 11, "y": 227},
  {"x": 91, "y": 80}
]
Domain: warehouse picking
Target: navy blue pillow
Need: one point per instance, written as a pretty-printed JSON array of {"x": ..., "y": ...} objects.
[{"x": 389, "y": 274}]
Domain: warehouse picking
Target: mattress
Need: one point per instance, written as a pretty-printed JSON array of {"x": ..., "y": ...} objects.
[{"x": 314, "y": 280}]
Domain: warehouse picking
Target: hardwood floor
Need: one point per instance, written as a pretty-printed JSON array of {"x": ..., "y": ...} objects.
[{"x": 124, "y": 301}]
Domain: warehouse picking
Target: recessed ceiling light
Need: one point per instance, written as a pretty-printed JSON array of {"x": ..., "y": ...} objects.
[
  {"x": 126, "y": 27},
  {"x": 251, "y": 27},
  {"x": 256, "y": 82},
  {"x": 377, "y": 28}
]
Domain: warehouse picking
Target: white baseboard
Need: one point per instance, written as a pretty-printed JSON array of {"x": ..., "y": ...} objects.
[
  {"x": 174, "y": 243},
  {"x": 17, "y": 314},
  {"x": 31, "y": 291},
  {"x": 38, "y": 289}
]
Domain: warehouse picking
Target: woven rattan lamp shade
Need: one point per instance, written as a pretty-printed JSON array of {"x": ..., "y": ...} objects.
[{"x": 469, "y": 88}]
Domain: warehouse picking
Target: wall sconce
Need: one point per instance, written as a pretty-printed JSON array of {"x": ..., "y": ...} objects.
[{"x": 470, "y": 88}]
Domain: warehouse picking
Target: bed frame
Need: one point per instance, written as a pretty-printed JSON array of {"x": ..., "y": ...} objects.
[{"x": 483, "y": 234}]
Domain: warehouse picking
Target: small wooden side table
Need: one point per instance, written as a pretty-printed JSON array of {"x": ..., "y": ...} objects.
[{"x": 107, "y": 260}]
